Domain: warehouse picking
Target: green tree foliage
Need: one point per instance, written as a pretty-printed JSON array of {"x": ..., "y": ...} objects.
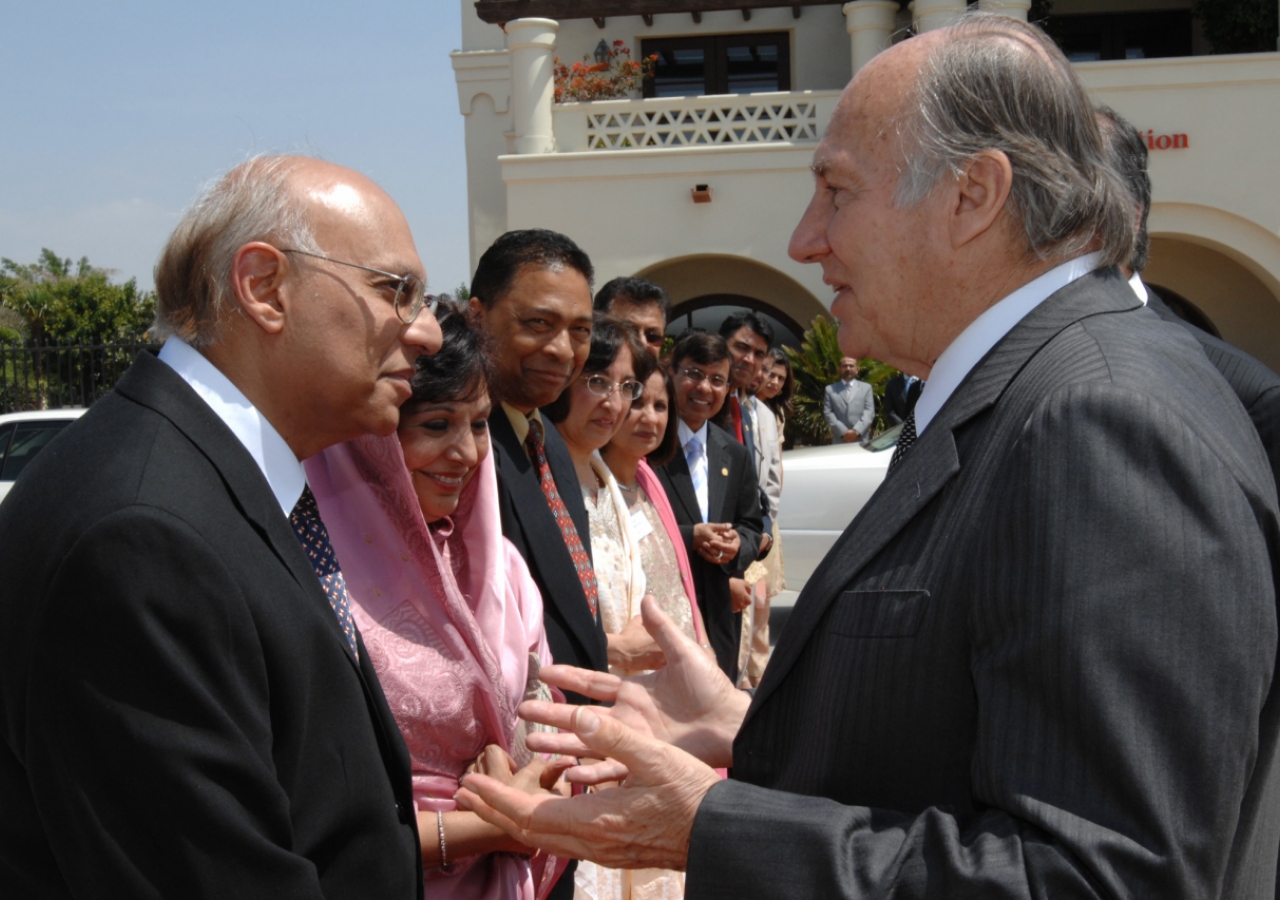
[
  {"x": 1239, "y": 26},
  {"x": 54, "y": 301},
  {"x": 817, "y": 364}
]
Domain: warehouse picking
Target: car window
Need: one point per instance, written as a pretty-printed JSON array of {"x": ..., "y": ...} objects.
[
  {"x": 29, "y": 438},
  {"x": 6, "y": 432},
  {"x": 885, "y": 439}
]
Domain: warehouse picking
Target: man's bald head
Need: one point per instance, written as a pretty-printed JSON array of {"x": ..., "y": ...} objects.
[{"x": 280, "y": 200}]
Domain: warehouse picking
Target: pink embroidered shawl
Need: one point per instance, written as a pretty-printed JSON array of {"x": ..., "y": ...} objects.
[
  {"x": 449, "y": 617},
  {"x": 657, "y": 494}
]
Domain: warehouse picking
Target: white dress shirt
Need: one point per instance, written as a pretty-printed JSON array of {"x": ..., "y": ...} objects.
[
  {"x": 1138, "y": 287},
  {"x": 279, "y": 466},
  {"x": 984, "y": 332},
  {"x": 686, "y": 434}
]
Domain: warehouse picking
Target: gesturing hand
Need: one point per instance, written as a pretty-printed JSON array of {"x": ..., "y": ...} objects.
[
  {"x": 634, "y": 649},
  {"x": 644, "y": 823},
  {"x": 688, "y": 703}
]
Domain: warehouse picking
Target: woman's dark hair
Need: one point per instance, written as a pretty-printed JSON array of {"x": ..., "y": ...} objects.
[
  {"x": 501, "y": 263},
  {"x": 461, "y": 369},
  {"x": 608, "y": 336},
  {"x": 783, "y": 402},
  {"x": 666, "y": 449}
]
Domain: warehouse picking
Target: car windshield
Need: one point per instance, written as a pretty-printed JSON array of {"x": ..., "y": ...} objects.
[{"x": 885, "y": 439}]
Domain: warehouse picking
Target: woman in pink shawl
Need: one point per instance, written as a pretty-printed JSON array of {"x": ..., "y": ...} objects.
[{"x": 450, "y": 617}]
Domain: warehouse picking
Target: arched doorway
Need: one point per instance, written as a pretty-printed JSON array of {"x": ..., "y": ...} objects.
[
  {"x": 707, "y": 312},
  {"x": 706, "y": 287},
  {"x": 1234, "y": 300}
]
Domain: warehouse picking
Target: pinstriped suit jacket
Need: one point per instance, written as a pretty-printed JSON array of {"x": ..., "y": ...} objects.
[{"x": 1040, "y": 662}]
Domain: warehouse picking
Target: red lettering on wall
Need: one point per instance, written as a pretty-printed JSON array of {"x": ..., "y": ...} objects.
[{"x": 1165, "y": 141}]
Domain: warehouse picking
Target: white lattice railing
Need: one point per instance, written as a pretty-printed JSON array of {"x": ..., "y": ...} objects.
[
  {"x": 694, "y": 121},
  {"x": 704, "y": 121}
]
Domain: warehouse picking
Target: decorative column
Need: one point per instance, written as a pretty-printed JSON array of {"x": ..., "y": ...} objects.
[
  {"x": 931, "y": 14},
  {"x": 870, "y": 24},
  {"x": 532, "y": 43},
  {"x": 1014, "y": 9}
]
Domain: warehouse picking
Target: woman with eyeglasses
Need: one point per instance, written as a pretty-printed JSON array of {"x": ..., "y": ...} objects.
[
  {"x": 589, "y": 414},
  {"x": 449, "y": 615}
]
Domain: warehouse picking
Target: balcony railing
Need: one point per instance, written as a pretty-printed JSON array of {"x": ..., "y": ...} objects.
[{"x": 784, "y": 117}]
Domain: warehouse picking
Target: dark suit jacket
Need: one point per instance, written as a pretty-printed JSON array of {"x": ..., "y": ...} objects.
[
  {"x": 1256, "y": 385},
  {"x": 574, "y": 636},
  {"x": 182, "y": 716},
  {"x": 733, "y": 495},
  {"x": 1041, "y": 661},
  {"x": 900, "y": 397}
]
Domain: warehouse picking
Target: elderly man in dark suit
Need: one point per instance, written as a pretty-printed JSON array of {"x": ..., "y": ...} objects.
[
  {"x": 713, "y": 491},
  {"x": 188, "y": 710},
  {"x": 1041, "y": 661}
]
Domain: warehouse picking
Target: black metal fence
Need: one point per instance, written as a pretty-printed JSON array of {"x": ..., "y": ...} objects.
[{"x": 60, "y": 375}]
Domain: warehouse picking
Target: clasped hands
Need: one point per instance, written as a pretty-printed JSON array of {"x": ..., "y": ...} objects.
[
  {"x": 716, "y": 542},
  {"x": 660, "y": 740}
]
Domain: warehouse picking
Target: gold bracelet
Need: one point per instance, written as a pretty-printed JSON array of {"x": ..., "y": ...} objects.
[{"x": 444, "y": 857}]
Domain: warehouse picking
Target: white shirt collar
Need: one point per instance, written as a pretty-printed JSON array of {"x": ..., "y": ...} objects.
[
  {"x": 1138, "y": 287},
  {"x": 685, "y": 433},
  {"x": 984, "y": 332},
  {"x": 279, "y": 466}
]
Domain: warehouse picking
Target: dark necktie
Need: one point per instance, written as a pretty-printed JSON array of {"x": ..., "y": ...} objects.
[
  {"x": 581, "y": 559},
  {"x": 906, "y": 438},
  {"x": 736, "y": 409},
  {"x": 314, "y": 537}
]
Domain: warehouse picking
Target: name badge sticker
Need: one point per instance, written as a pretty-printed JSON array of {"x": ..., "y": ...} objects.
[{"x": 640, "y": 527}]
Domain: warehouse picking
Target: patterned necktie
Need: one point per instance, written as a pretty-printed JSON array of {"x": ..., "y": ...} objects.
[
  {"x": 906, "y": 438},
  {"x": 697, "y": 460},
  {"x": 314, "y": 537},
  {"x": 581, "y": 559},
  {"x": 735, "y": 408}
]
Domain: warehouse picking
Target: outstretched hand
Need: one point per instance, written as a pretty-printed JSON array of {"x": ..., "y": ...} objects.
[
  {"x": 689, "y": 703},
  {"x": 644, "y": 823}
]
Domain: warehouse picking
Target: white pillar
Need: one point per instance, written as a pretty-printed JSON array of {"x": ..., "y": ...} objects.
[
  {"x": 870, "y": 24},
  {"x": 1014, "y": 9},
  {"x": 928, "y": 15},
  {"x": 532, "y": 43}
]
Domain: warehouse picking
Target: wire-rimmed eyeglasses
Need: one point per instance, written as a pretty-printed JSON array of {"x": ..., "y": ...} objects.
[
  {"x": 601, "y": 386},
  {"x": 697, "y": 376},
  {"x": 411, "y": 293}
]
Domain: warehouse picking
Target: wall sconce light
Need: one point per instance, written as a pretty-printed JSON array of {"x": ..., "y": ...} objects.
[
  {"x": 701, "y": 193},
  {"x": 601, "y": 52}
]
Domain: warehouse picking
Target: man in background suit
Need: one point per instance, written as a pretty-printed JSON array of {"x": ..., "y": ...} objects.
[
  {"x": 1256, "y": 385},
  {"x": 1041, "y": 661},
  {"x": 640, "y": 302},
  {"x": 900, "y": 395},
  {"x": 713, "y": 491},
  {"x": 188, "y": 710},
  {"x": 849, "y": 405}
]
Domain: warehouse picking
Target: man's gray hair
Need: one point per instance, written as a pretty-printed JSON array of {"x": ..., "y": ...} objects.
[
  {"x": 1000, "y": 84},
  {"x": 253, "y": 202}
]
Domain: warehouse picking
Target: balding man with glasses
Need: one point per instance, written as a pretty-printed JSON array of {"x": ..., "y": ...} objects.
[{"x": 187, "y": 707}]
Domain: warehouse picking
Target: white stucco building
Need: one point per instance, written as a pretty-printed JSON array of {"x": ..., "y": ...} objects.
[{"x": 619, "y": 176}]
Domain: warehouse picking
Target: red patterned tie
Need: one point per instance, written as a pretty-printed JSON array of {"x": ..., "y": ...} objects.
[{"x": 581, "y": 559}]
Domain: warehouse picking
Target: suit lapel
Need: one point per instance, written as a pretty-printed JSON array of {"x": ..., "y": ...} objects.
[
  {"x": 933, "y": 460},
  {"x": 547, "y": 550},
  {"x": 155, "y": 385},
  {"x": 679, "y": 484},
  {"x": 718, "y": 472}
]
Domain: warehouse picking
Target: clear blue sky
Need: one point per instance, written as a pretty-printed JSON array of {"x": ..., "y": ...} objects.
[{"x": 116, "y": 113}]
